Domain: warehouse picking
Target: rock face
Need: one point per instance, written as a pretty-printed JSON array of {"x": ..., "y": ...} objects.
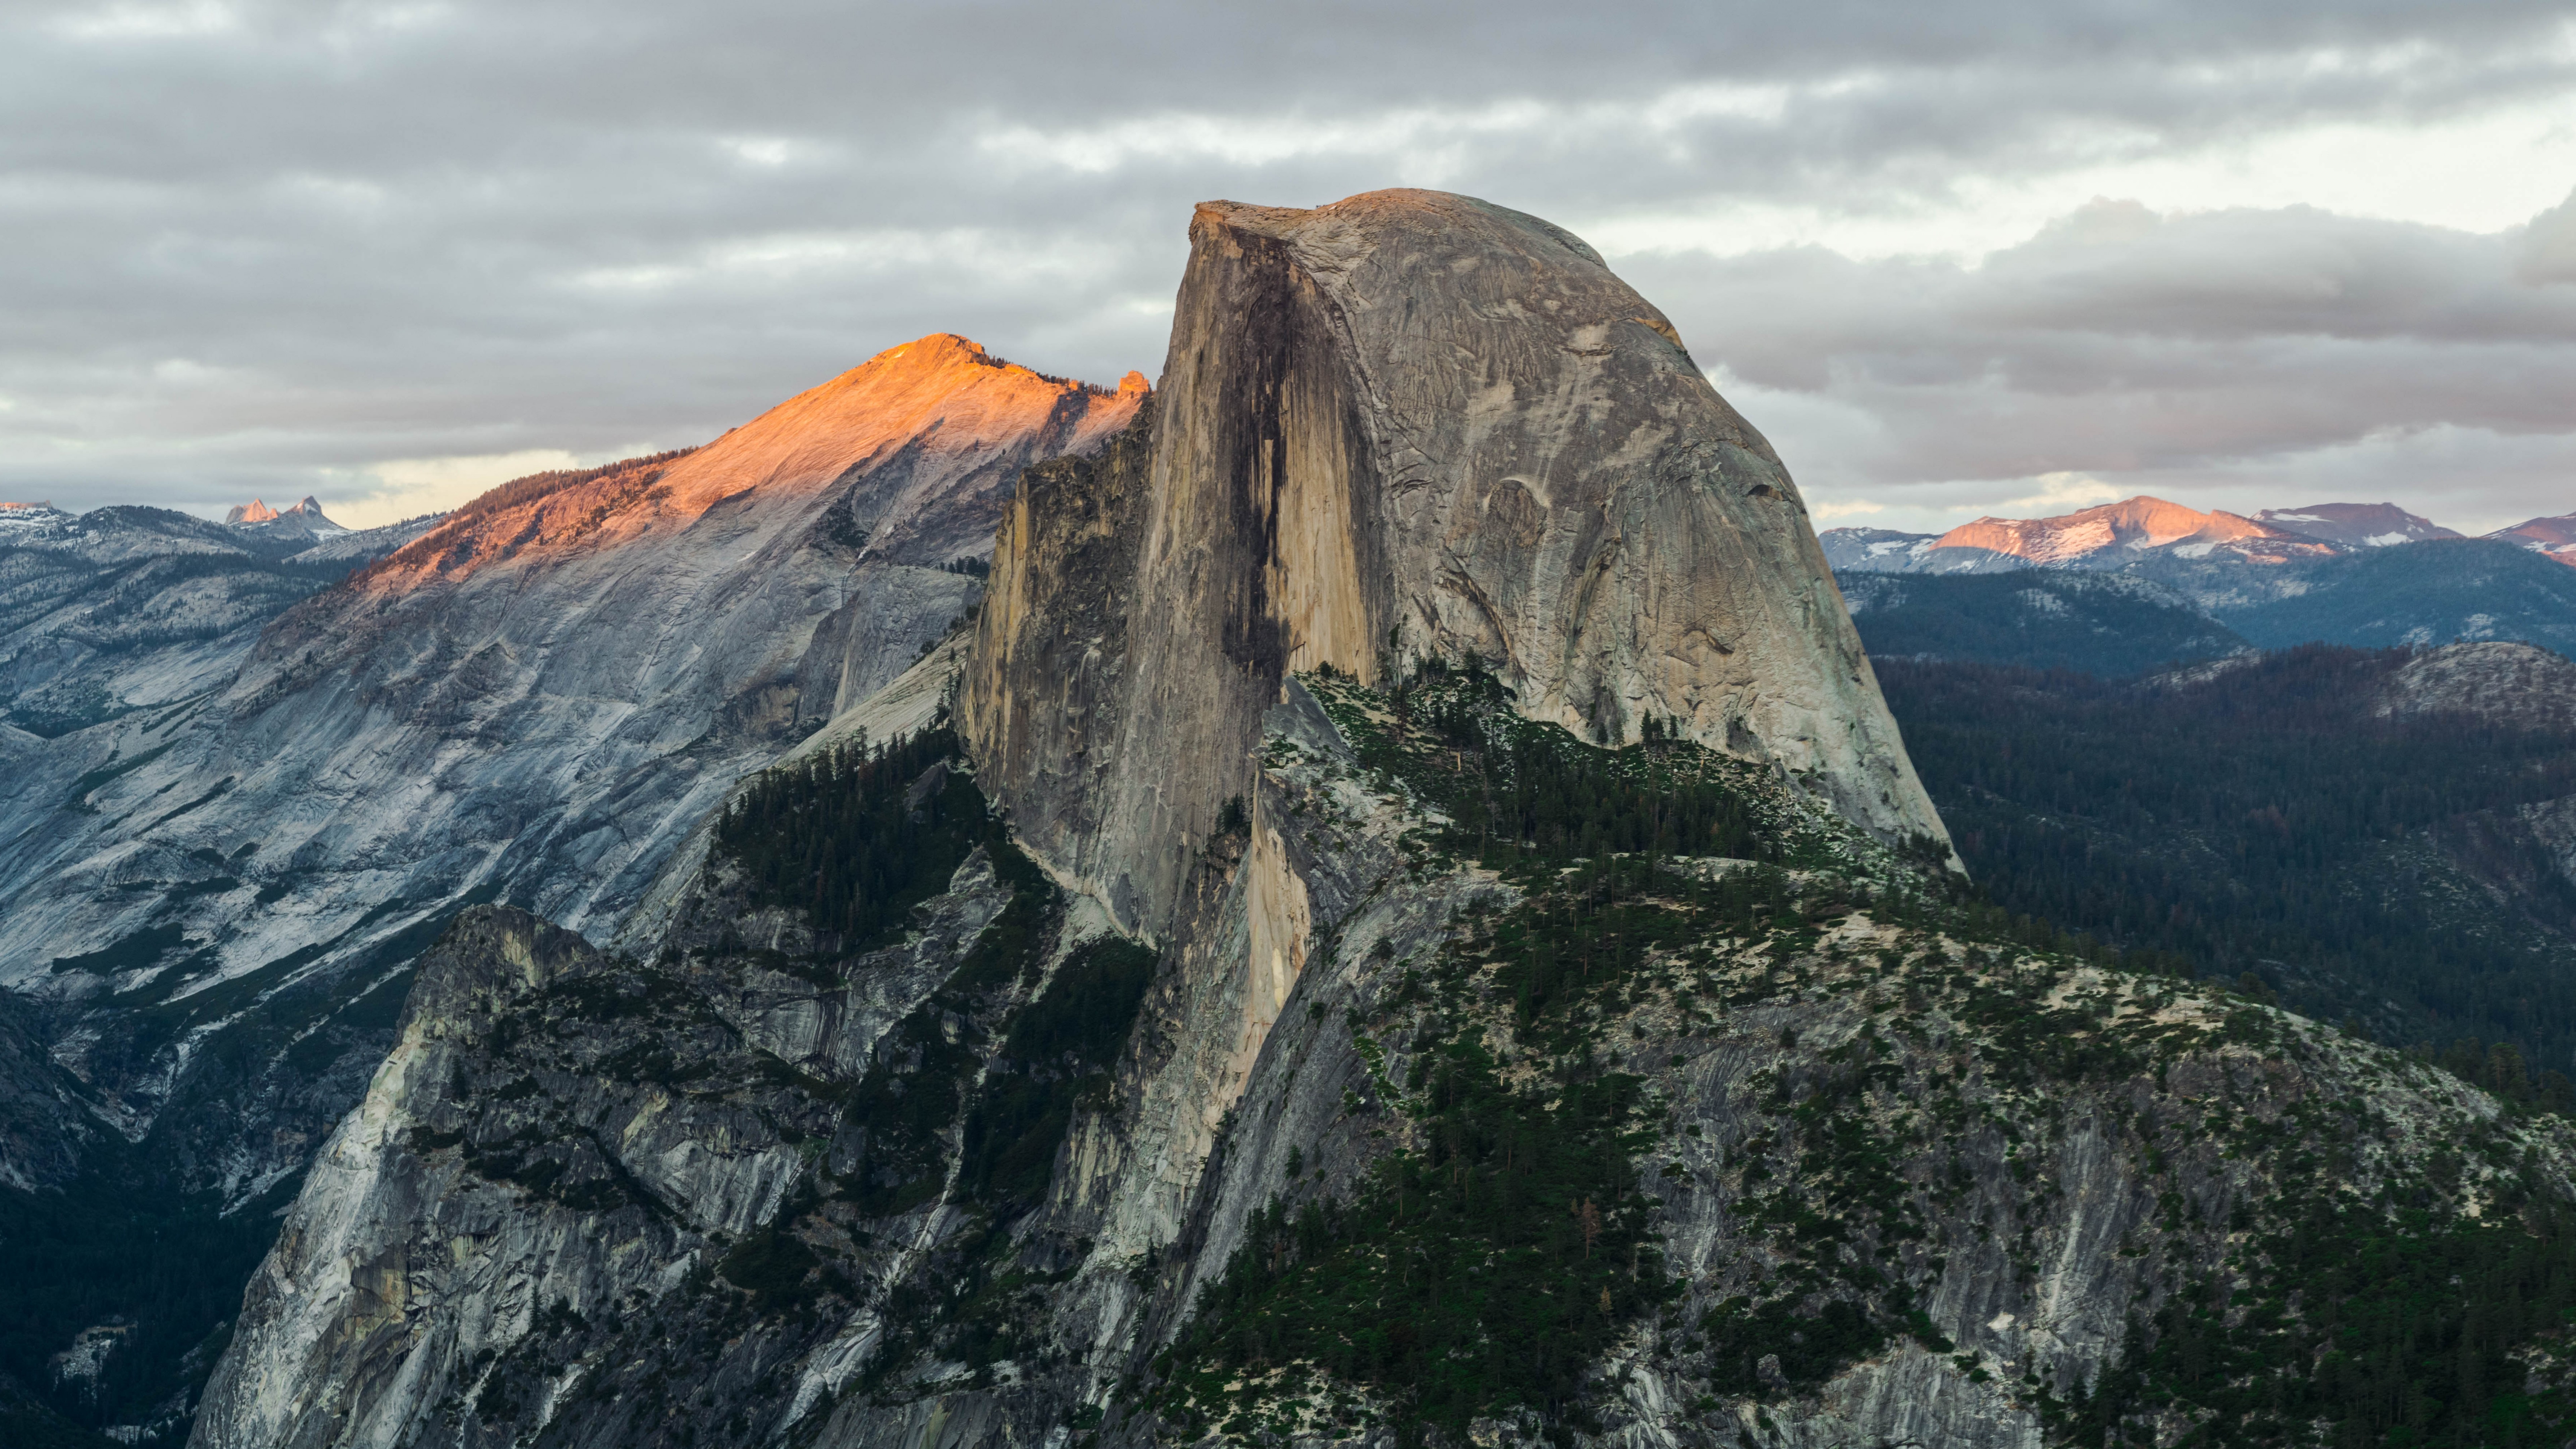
[
  {"x": 1407, "y": 425},
  {"x": 539, "y": 699},
  {"x": 528, "y": 1167}
]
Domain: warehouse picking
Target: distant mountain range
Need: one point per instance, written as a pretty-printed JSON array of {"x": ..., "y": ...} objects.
[
  {"x": 2110, "y": 625},
  {"x": 2128, "y": 586},
  {"x": 2117, "y": 535},
  {"x": 125, "y": 608}
]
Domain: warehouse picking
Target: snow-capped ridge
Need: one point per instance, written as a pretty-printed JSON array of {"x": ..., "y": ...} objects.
[
  {"x": 2552, "y": 538},
  {"x": 2115, "y": 535}
]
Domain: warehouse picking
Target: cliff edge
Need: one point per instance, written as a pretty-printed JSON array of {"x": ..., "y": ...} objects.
[{"x": 1405, "y": 426}]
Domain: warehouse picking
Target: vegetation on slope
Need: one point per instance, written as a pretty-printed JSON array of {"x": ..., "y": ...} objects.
[
  {"x": 2264, "y": 819},
  {"x": 121, "y": 1250},
  {"x": 2330, "y": 1245},
  {"x": 2429, "y": 592},
  {"x": 2038, "y": 619},
  {"x": 855, "y": 837},
  {"x": 1486, "y": 1267}
]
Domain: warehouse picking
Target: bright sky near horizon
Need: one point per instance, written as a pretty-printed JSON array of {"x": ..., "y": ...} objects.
[{"x": 1953, "y": 260}]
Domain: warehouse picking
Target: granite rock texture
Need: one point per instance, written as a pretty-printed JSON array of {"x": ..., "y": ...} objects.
[{"x": 1404, "y": 425}]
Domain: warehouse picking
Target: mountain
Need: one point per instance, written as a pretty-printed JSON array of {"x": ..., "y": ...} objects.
[
  {"x": 304, "y": 523},
  {"x": 2552, "y": 538},
  {"x": 540, "y": 696},
  {"x": 2423, "y": 593},
  {"x": 122, "y": 609},
  {"x": 2113, "y": 536},
  {"x": 2357, "y": 574},
  {"x": 2119, "y": 535},
  {"x": 2355, "y": 525},
  {"x": 1313, "y": 567},
  {"x": 1886, "y": 550},
  {"x": 1414, "y": 925},
  {"x": 1148, "y": 603},
  {"x": 2107, "y": 624},
  {"x": 2381, "y": 834},
  {"x": 211, "y": 903},
  {"x": 2115, "y": 533},
  {"x": 2165, "y": 609}
]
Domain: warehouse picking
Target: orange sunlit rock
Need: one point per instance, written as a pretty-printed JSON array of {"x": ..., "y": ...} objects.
[
  {"x": 2137, "y": 523},
  {"x": 942, "y": 394}
]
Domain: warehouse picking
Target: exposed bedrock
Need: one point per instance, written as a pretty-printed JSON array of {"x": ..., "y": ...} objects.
[{"x": 1403, "y": 425}]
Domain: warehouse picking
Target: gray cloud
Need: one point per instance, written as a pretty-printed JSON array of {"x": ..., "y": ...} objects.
[
  {"x": 2242, "y": 352},
  {"x": 255, "y": 246}
]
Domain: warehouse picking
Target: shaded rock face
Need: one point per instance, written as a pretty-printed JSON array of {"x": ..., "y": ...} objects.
[
  {"x": 553, "y": 1158},
  {"x": 1402, "y": 426},
  {"x": 44, "y": 1115}
]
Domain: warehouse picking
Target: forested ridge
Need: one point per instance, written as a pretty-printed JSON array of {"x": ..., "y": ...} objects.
[
  {"x": 2306, "y": 1276},
  {"x": 2263, "y": 818}
]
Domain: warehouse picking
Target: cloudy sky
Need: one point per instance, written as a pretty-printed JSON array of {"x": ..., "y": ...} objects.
[{"x": 1954, "y": 259}]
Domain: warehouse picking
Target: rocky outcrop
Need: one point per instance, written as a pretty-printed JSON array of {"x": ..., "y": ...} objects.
[
  {"x": 2517, "y": 686},
  {"x": 1403, "y": 426},
  {"x": 556, "y": 1140}
]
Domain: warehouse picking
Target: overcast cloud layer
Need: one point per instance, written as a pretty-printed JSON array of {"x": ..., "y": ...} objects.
[{"x": 1953, "y": 259}]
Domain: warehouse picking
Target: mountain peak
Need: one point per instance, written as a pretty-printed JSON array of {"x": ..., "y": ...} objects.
[
  {"x": 969, "y": 419},
  {"x": 2132, "y": 525},
  {"x": 1360, "y": 460},
  {"x": 2355, "y": 525},
  {"x": 2552, "y": 538},
  {"x": 304, "y": 517}
]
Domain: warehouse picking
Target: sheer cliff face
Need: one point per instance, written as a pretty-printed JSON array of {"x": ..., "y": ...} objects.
[{"x": 1411, "y": 424}]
